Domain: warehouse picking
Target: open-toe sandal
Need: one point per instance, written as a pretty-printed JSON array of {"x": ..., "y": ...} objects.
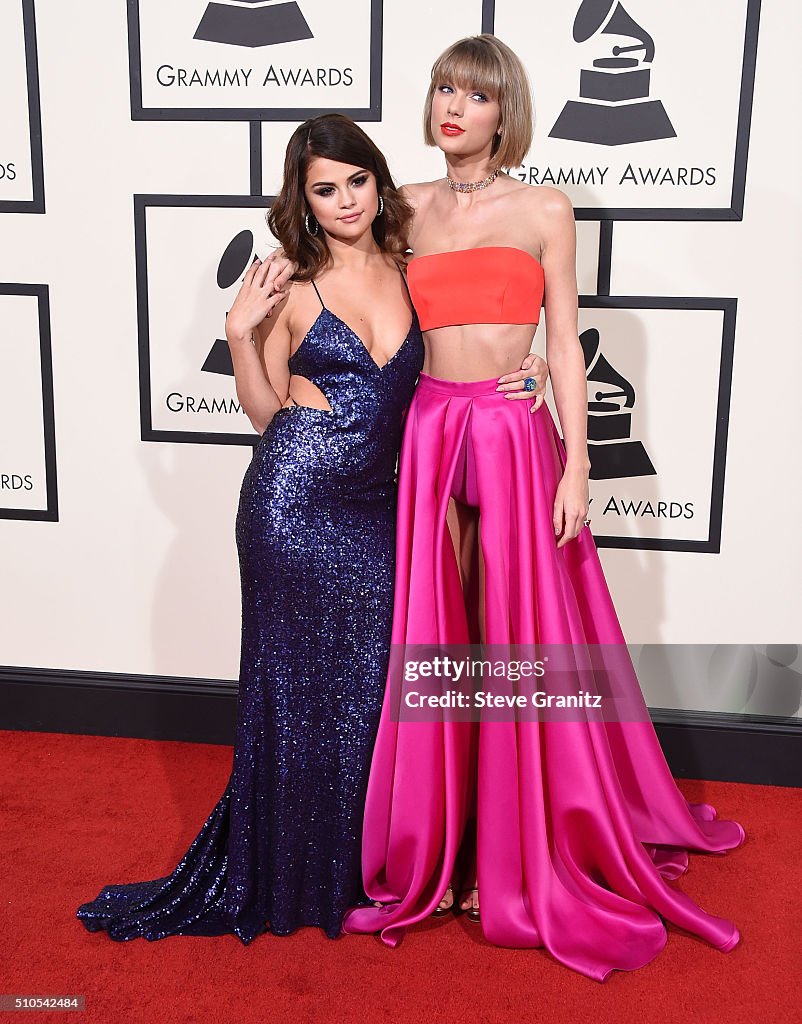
[
  {"x": 471, "y": 912},
  {"x": 442, "y": 911}
]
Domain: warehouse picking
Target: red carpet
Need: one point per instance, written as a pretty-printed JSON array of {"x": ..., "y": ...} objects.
[{"x": 82, "y": 812}]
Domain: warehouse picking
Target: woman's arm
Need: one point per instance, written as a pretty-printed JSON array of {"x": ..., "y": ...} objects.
[
  {"x": 256, "y": 321},
  {"x": 568, "y": 379},
  {"x": 532, "y": 366},
  {"x": 564, "y": 351}
]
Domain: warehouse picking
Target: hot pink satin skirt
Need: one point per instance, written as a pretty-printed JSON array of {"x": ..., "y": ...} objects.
[{"x": 579, "y": 824}]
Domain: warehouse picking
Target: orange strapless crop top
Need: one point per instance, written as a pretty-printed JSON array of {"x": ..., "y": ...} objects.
[{"x": 491, "y": 284}]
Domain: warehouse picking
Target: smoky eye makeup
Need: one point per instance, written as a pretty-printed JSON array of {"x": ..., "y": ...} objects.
[{"x": 327, "y": 189}]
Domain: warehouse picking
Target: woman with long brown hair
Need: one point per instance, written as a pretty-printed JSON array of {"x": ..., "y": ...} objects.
[{"x": 324, "y": 370}]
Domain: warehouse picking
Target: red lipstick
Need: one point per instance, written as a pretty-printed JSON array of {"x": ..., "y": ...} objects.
[{"x": 451, "y": 129}]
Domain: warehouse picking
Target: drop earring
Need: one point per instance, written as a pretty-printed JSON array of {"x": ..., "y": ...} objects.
[
  {"x": 306, "y": 221},
  {"x": 380, "y": 211}
]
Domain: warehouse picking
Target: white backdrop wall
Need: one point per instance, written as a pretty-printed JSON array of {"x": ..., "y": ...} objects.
[{"x": 138, "y": 572}]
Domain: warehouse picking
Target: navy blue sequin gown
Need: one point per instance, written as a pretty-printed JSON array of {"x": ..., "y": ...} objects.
[{"x": 316, "y": 540}]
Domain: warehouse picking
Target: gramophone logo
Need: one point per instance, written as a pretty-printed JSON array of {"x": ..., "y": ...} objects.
[
  {"x": 253, "y": 23},
  {"x": 640, "y": 107},
  {"x": 613, "y": 452},
  {"x": 656, "y": 465},
  {"x": 238, "y": 255},
  {"x": 254, "y": 60},
  {"x": 614, "y": 107},
  {"x": 188, "y": 391}
]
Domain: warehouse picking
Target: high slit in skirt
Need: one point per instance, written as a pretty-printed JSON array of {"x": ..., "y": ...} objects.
[{"x": 580, "y": 826}]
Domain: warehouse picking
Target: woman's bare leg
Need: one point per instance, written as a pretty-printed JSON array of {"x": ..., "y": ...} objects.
[{"x": 464, "y": 526}]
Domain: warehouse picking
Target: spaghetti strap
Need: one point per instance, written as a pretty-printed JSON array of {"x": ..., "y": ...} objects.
[
  {"x": 322, "y": 303},
  {"x": 404, "y": 279}
]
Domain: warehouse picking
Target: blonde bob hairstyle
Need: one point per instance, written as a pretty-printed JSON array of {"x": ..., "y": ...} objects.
[{"x": 486, "y": 64}]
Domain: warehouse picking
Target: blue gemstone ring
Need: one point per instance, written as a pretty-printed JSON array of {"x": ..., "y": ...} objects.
[{"x": 530, "y": 383}]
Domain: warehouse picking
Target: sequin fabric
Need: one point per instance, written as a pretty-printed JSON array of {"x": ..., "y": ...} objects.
[{"x": 315, "y": 536}]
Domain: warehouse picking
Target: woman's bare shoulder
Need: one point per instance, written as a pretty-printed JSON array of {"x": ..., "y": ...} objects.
[
  {"x": 543, "y": 208},
  {"x": 545, "y": 199},
  {"x": 419, "y": 192}
]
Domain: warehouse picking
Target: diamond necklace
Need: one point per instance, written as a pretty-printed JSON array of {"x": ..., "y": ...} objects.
[{"x": 471, "y": 186}]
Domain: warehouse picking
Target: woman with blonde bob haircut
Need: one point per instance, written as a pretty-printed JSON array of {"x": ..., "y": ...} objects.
[
  {"x": 568, "y": 825},
  {"x": 487, "y": 64}
]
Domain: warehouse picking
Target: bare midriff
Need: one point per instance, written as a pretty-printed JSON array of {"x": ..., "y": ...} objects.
[{"x": 471, "y": 352}]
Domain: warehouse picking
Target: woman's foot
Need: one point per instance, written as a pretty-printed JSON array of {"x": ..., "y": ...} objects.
[
  {"x": 446, "y": 904},
  {"x": 470, "y": 903}
]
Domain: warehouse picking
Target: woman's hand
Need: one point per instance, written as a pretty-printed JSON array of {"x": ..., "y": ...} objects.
[
  {"x": 571, "y": 504},
  {"x": 253, "y": 303},
  {"x": 532, "y": 366},
  {"x": 280, "y": 270}
]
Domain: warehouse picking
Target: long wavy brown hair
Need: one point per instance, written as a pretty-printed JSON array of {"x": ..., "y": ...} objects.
[{"x": 333, "y": 137}]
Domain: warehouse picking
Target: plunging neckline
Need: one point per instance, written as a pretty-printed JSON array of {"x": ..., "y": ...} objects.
[{"x": 356, "y": 337}]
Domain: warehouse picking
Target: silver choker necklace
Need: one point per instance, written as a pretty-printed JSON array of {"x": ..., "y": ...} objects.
[{"x": 471, "y": 186}]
